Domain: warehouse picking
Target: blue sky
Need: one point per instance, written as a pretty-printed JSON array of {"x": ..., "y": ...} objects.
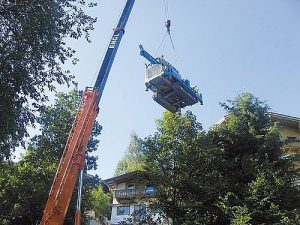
[{"x": 225, "y": 47}]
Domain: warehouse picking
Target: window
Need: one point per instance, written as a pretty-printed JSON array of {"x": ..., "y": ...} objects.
[
  {"x": 123, "y": 210},
  {"x": 149, "y": 189},
  {"x": 131, "y": 190},
  {"x": 130, "y": 187}
]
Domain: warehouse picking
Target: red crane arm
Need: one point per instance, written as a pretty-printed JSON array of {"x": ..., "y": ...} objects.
[{"x": 72, "y": 160}]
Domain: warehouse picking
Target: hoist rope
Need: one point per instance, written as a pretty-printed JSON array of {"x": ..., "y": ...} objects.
[
  {"x": 167, "y": 9},
  {"x": 162, "y": 44},
  {"x": 168, "y": 33},
  {"x": 167, "y": 15},
  {"x": 171, "y": 41}
]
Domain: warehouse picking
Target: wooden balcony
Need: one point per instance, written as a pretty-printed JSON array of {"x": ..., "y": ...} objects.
[
  {"x": 133, "y": 193},
  {"x": 292, "y": 146},
  {"x": 291, "y": 149}
]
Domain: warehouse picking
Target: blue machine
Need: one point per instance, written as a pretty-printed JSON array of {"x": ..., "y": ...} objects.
[{"x": 170, "y": 90}]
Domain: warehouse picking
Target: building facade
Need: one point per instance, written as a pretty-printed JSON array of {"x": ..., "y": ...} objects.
[
  {"x": 290, "y": 135},
  {"x": 289, "y": 132},
  {"x": 132, "y": 193}
]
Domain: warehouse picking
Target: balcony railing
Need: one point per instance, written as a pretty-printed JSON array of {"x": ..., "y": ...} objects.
[
  {"x": 292, "y": 146},
  {"x": 124, "y": 194}
]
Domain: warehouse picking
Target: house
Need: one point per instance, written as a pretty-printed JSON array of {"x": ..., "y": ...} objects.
[
  {"x": 290, "y": 134},
  {"x": 131, "y": 193}
]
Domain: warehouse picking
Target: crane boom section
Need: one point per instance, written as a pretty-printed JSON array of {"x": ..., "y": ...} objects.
[
  {"x": 113, "y": 47},
  {"x": 72, "y": 161}
]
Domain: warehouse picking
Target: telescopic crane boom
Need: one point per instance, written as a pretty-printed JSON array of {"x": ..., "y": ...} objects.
[{"x": 72, "y": 160}]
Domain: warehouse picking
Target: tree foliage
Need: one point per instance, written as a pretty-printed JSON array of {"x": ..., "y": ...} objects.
[
  {"x": 134, "y": 157},
  {"x": 32, "y": 49},
  {"x": 184, "y": 169},
  {"x": 235, "y": 173},
  {"x": 24, "y": 186},
  {"x": 101, "y": 202},
  {"x": 260, "y": 178}
]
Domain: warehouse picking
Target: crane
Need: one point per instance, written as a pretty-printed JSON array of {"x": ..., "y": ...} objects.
[
  {"x": 72, "y": 160},
  {"x": 170, "y": 90}
]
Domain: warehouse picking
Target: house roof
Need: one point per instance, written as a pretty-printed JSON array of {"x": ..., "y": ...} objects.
[
  {"x": 285, "y": 120},
  {"x": 276, "y": 117},
  {"x": 125, "y": 177}
]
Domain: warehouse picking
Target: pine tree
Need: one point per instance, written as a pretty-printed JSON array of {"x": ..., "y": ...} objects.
[{"x": 260, "y": 178}]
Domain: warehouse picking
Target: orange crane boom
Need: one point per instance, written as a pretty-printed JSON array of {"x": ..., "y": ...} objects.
[{"x": 72, "y": 160}]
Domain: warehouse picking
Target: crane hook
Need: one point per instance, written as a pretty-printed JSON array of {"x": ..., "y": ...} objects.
[{"x": 168, "y": 25}]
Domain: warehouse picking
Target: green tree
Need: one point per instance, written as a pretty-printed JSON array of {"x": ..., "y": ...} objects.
[
  {"x": 24, "y": 186},
  {"x": 260, "y": 178},
  {"x": 233, "y": 174},
  {"x": 101, "y": 202},
  {"x": 183, "y": 167},
  {"x": 134, "y": 157},
  {"x": 32, "y": 50}
]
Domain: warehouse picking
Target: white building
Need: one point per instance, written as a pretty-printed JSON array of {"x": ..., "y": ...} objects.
[{"x": 131, "y": 193}]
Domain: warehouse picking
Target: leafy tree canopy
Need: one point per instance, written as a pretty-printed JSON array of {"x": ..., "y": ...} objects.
[
  {"x": 32, "y": 49},
  {"x": 184, "y": 168},
  {"x": 101, "y": 202},
  {"x": 24, "y": 186},
  {"x": 133, "y": 159},
  {"x": 235, "y": 173}
]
